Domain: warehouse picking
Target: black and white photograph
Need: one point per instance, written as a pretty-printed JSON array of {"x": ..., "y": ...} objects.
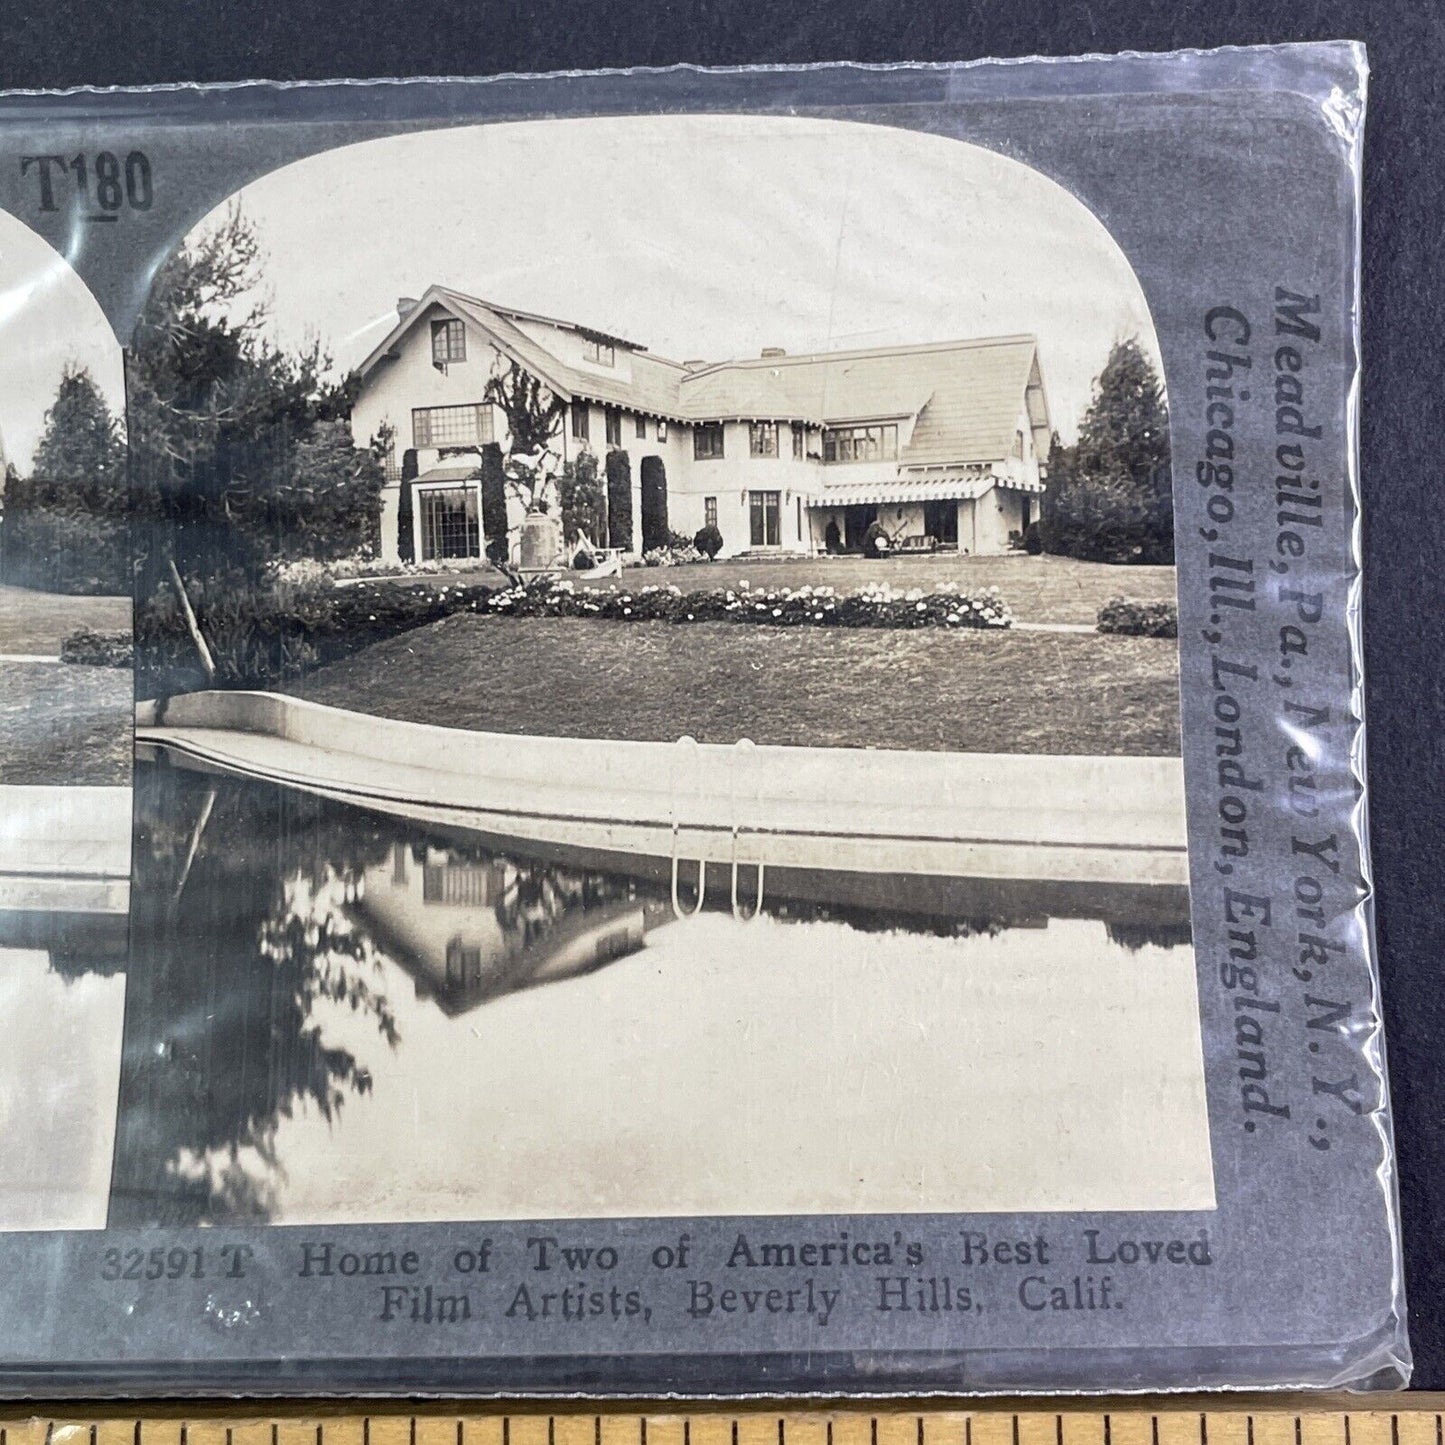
[
  {"x": 66, "y": 708},
  {"x": 659, "y": 691}
]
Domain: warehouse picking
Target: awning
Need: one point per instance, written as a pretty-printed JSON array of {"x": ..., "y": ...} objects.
[
  {"x": 449, "y": 474},
  {"x": 936, "y": 489},
  {"x": 956, "y": 488}
]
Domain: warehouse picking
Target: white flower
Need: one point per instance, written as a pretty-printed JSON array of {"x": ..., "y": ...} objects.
[{"x": 777, "y": 611}]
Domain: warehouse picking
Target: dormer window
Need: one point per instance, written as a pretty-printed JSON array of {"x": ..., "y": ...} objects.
[
  {"x": 599, "y": 353},
  {"x": 448, "y": 341}
]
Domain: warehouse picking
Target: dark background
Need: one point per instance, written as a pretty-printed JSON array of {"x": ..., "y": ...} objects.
[{"x": 57, "y": 43}]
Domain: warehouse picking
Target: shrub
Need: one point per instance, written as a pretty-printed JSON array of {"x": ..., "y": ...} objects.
[
  {"x": 709, "y": 542},
  {"x": 1139, "y": 619},
  {"x": 584, "y": 505},
  {"x": 261, "y": 635},
  {"x": 619, "y": 501},
  {"x": 89, "y": 648},
  {"x": 1108, "y": 519},
  {"x": 655, "y": 531},
  {"x": 671, "y": 555},
  {"x": 69, "y": 552},
  {"x": 1033, "y": 542}
]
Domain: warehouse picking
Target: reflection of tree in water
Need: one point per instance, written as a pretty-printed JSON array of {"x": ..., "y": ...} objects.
[
  {"x": 239, "y": 931},
  {"x": 244, "y": 936}
]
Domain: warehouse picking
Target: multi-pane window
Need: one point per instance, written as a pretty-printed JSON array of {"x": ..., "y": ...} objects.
[
  {"x": 709, "y": 511},
  {"x": 390, "y": 465},
  {"x": 707, "y": 441},
  {"x": 448, "y": 341},
  {"x": 642, "y": 428},
  {"x": 764, "y": 529},
  {"x": 763, "y": 438},
  {"x": 614, "y": 427},
  {"x": 451, "y": 426},
  {"x": 860, "y": 443},
  {"x": 579, "y": 421},
  {"x": 797, "y": 441},
  {"x": 450, "y": 522},
  {"x": 600, "y": 353}
]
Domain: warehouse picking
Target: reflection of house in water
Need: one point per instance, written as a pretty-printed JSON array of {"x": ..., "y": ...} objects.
[{"x": 471, "y": 930}]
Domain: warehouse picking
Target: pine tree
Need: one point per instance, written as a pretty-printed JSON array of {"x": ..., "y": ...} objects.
[
  {"x": 1109, "y": 496},
  {"x": 1125, "y": 431},
  {"x": 66, "y": 526},
  {"x": 227, "y": 451},
  {"x": 80, "y": 461}
]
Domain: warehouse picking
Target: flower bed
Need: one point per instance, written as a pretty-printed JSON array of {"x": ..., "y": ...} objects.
[
  {"x": 1128, "y": 618},
  {"x": 877, "y": 605}
]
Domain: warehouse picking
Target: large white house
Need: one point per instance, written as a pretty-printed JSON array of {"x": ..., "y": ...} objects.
[{"x": 941, "y": 443}]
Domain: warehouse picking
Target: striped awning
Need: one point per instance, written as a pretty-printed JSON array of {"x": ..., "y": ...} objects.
[
  {"x": 934, "y": 489},
  {"x": 964, "y": 487}
]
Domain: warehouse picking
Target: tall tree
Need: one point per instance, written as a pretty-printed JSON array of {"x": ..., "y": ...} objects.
[
  {"x": 66, "y": 526},
  {"x": 1109, "y": 496},
  {"x": 80, "y": 461},
  {"x": 1125, "y": 431},
  {"x": 223, "y": 423}
]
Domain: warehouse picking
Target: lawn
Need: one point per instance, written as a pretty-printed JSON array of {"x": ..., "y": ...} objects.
[
  {"x": 1038, "y": 589},
  {"x": 65, "y": 724},
  {"x": 36, "y": 623},
  {"x": 968, "y": 691}
]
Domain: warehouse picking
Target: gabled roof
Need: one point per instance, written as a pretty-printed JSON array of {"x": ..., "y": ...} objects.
[
  {"x": 652, "y": 387},
  {"x": 966, "y": 395}
]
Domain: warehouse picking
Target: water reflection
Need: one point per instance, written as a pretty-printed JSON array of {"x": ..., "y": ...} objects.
[
  {"x": 62, "y": 992},
  {"x": 335, "y": 1014}
]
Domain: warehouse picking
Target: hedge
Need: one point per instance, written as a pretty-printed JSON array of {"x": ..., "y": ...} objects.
[
  {"x": 67, "y": 552},
  {"x": 87, "y": 648},
  {"x": 1129, "y": 618}
]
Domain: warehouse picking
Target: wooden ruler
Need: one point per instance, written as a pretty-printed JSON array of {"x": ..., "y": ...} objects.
[{"x": 1261, "y": 1420}]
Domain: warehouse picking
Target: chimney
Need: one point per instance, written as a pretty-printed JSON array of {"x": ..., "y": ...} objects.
[
  {"x": 405, "y": 305},
  {"x": 768, "y": 352}
]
